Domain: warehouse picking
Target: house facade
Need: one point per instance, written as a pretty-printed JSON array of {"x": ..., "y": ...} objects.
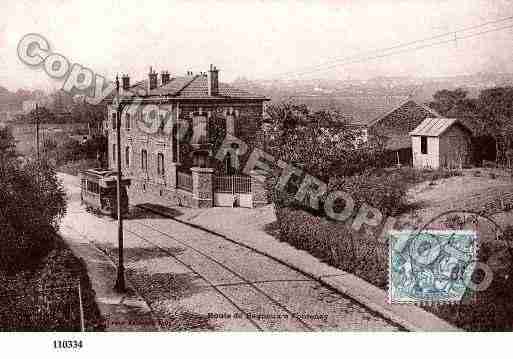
[
  {"x": 441, "y": 142},
  {"x": 170, "y": 136}
]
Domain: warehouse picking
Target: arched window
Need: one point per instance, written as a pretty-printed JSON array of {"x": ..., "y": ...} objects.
[
  {"x": 144, "y": 160},
  {"x": 160, "y": 164},
  {"x": 127, "y": 156}
]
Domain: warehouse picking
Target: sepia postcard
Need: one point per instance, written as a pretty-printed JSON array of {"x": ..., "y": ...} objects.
[{"x": 256, "y": 166}]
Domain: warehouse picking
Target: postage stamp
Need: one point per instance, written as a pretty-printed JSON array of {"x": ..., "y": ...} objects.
[{"x": 430, "y": 266}]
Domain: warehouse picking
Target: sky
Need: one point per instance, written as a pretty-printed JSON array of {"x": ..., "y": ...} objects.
[{"x": 254, "y": 39}]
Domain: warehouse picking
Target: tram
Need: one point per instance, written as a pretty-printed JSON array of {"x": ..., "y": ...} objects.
[{"x": 98, "y": 191}]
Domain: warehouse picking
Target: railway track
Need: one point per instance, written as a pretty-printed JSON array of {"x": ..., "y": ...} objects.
[
  {"x": 128, "y": 228},
  {"x": 222, "y": 265}
]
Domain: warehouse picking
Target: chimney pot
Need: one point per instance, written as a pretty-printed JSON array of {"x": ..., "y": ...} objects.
[
  {"x": 126, "y": 82},
  {"x": 153, "y": 77},
  {"x": 165, "y": 77},
  {"x": 213, "y": 81}
]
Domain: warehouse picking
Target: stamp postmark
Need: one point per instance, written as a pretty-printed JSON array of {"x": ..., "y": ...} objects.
[{"x": 430, "y": 266}]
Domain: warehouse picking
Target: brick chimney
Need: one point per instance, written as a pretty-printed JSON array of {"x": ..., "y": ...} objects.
[
  {"x": 164, "y": 75},
  {"x": 213, "y": 81},
  {"x": 126, "y": 82},
  {"x": 153, "y": 79}
]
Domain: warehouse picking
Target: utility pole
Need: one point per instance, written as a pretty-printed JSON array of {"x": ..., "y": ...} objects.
[
  {"x": 120, "y": 282},
  {"x": 37, "y": 131}
]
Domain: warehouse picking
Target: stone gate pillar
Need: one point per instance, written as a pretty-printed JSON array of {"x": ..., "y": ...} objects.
[
  {"x": 258, "y": 191},
  {"x": 202, "y": 183}
]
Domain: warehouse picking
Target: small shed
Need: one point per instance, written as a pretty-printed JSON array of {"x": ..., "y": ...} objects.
[{"x": 441, "y": 142}]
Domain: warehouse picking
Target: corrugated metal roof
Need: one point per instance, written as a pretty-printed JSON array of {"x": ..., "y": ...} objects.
[{"x": 434, "y": 127}]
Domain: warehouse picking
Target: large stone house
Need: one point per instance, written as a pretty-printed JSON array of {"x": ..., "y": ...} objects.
[{"x": 181, "y": 170}]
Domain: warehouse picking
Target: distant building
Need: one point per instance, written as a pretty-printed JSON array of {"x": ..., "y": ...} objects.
[
  {"x": 177, "y": 171},
  {"x": 28, "y": 106},
  {"x": 441, "y": 142}
]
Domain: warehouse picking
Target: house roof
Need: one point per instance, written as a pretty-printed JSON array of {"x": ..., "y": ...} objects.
[
  {"x": 390, "y": 111},
  {"x": 363, "y": 110},
  {"x": 434, "y": 127},
  {"x": 191, "y": 87}
]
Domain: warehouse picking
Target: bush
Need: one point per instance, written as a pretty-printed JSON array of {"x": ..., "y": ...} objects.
[
  {"x": 335, "y": 244},
  {"x": 356, "y": 253},
  {"x": 383, "y": 191},
  {"x": 387, "y": 192},
  {"x": 28, "y": 302},
  {"x": 32, "y": 202},
  {"x": 492, "y": 308},
  {"x": 359, "y": 161}
]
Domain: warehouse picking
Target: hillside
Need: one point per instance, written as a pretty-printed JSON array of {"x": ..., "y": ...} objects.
[{"x": 361, "y": 100}]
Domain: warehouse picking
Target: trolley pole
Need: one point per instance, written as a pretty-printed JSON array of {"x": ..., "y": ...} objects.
[
  {"x": 37, "y": 131},
  {"x": 120, "y": 282}
]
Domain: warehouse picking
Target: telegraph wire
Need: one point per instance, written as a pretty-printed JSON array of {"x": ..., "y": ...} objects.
[
  {"x": 357, "y": 58},
  {"x": 295, "y": 94}
]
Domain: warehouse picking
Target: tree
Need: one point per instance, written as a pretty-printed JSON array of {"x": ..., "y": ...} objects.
[
  {"x": 7, "y": 146},
  {"x": 44, "y": 115},
  {"x": 313, "y": 140},
  {"x": 445, "y": 100},
  {"x": 32, "y": 202},
  {"x": 495, "y": 114}
]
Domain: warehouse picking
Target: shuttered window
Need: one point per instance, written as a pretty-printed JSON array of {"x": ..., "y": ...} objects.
[
  {"x": 144, "y": 160},
  {"x": 127, "y": 156},
  {"x": 160, "y": 164},
  {"x": 128, "y": 120}
]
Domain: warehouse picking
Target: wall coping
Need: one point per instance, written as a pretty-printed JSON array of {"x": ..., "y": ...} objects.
[{"x": 202, "y": 170}]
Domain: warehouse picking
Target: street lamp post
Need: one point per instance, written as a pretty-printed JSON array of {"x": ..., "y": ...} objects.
[{"x": 120, "y": 282}]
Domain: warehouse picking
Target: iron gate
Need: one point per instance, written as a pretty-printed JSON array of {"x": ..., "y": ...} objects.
[{"x": 232, "y": 191}]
